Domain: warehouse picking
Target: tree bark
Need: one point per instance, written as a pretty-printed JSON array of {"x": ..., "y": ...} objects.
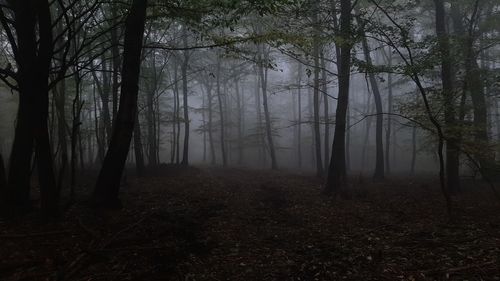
[
  {"x": 139, "y": 155},
  {"x": 299, "y": 110},
  {"x": 269, "y": 133},
  {"x": 185, "y": 151},
  {"x": 108, "y": 182},
  {"x": 379, "y": 161},
  {"x": 316, "y": 58},
  {"x": 473, "y": 85},
  {"x": 337, "y": 170},
  {"x": 3, "y": 176},
  {"x": 210, "y": 123},
  {"x": 326, "y": 110},
  {"x": 388, "y": 132},
  {"x": 452, "y": 145},
  {"x": 221, "y": 114}
]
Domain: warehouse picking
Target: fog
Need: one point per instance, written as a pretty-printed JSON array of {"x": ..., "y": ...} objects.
[{"x": 249, "y": 140}]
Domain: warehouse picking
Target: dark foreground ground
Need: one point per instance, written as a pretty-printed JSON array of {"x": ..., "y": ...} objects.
[{"x": 212, "y": 224}]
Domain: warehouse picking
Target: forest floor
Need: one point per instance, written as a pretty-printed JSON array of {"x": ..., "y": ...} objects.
[{"x": 235, "y": 224}]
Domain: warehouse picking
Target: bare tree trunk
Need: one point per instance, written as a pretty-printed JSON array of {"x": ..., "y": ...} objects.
[
  {"x": 259, "y": 131},
  {"x": 177, "y": 118},
  {"x": 108, "y": 182},
  {"x": 474, "y": 86},
  {"x": 326, "y": 110},
  {"x": 337, "y": 170},
  {"x": 105, "y": 103},
  {"x": 185, "y": 151},
  {"x": 3, "y": 175},
  {"x": 388, "y": 132},
  {"x": 299, "y": 110},
  {"x": 413, "y": 150},
  {"x": 75, "y": 133},
  {"x": 263, "y": 71},
  {"x": 221, "y": 114},
  {"x": 204, "y": 122},
  {"x": 99, "y": 141},
  {"x": 379, "y": 161},
  {"x": 452, "y": 145},
  {"x": 210, "y": 124},
  {"x": 139, "y": 155},
  {"x": 115, "y": 52},
  {"x": 316, "y": 58},
  {"x": 240, "y": 112}
]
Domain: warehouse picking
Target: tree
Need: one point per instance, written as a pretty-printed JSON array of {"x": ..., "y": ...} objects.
[
  {"x": 452, "y": 145},
  {"x": 337, "y": 170},
  {"x": 379, "y": 161},
  {"x": 184, "y": 68},
  {"x": 3, "y": 178},
  {"x": 108, "y": 182},
  {"x": 32, "y": 47},
  {"x": 316, "y": 58}
]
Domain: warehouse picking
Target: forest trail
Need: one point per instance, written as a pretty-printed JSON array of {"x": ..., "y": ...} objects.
[{"x": 236, "y": 224}]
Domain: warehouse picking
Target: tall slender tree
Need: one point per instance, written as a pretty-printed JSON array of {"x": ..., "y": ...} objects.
[
  {"x": 337, "y": 170},
  {"x": 108, "y": 182},
  {"x": 452, "y": 145}
]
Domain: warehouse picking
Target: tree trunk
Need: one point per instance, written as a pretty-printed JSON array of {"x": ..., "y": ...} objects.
[
  {"x": 17, "y": 192},
  {"x": 452, "y": 145},
  {"x": 221, "y": 114},
  {"x": 240, "y": 112},
  {"x": 326, "y": 109},
  {"x": 3, "y": 176},
  {"x": 337, "y": 170},
  {"x": 316, "y": 58},
  {"x": 210, "y": 123},
  {"x": 299, "y": 110},
  {"x": 108, "y": 182},
  {"x": 115, "y": 52},
  {"x": 139, "y": 155},
  {"x": 269, "y": 133},
  {"x": 379, "y": 161},
  {"x": 413, "y": 150},
  {"x": 388, "y": 131},
  {"x": 185, "y": 151},
  {"x": 474, "y": 86}
]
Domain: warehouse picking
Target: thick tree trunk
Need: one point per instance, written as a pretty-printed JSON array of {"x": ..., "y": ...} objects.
[
  {"x": 33, "y": 57},
  {"x": 379, "y": 159},
  {"x": 452, "y": 145},
  {"x": 17, "y": 192},
  {"x": 108, "y": 182},
  {"x": 3, "y": 175},
  {"x": 474, "y": 87},
  {"x": 337, "y": 169}
]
